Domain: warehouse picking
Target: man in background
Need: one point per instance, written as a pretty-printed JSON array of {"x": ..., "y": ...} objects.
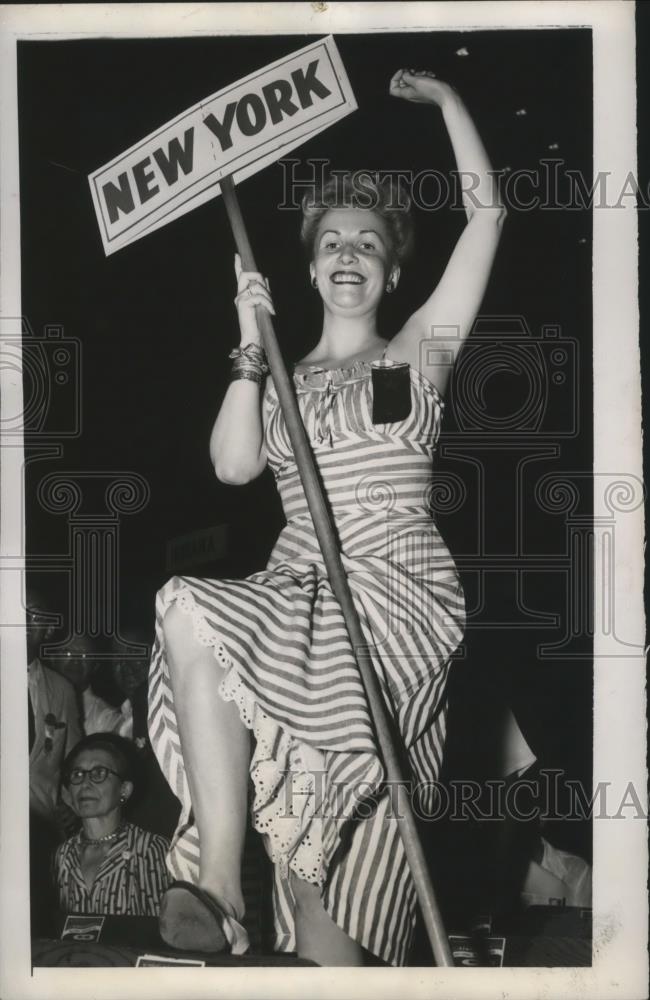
[
  {"x": 54, "y": 728},
  {"x": 82, "y": 667},
  {"x": 53, "y": 716}
]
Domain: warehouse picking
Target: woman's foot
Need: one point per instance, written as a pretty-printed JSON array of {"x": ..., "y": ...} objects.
[
  {"x": 192, "y": 920},
  {"x": 318, "y": 938}
]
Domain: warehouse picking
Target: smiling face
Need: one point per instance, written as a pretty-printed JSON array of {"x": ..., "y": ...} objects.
[
  {"x": 90, "y": 800},
  {"x": 352, "y": 260}
]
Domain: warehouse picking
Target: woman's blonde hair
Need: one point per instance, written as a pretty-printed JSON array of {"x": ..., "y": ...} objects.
[{"x": 361, "y": 190}]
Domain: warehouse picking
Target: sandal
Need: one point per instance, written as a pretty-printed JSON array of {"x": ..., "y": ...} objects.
[{"x": 191, "y": 920}]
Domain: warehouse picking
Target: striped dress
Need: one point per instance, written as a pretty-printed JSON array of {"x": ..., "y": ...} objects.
[{"x": 319, "y": 797}]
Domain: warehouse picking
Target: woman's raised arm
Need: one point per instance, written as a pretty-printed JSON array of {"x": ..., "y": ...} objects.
[
  {"x": 432, "y": 337},
  {"x": 237, "y": 440}
]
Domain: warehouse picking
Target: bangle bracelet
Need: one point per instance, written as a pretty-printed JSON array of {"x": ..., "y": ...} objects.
[
  {"x": 249, "y": 362},
  {"x": 252, "y": 352},
  {"x": 251, "y": 374},
  {"x": 244, "y": 364},
  {"x": 260, "y": 370}
]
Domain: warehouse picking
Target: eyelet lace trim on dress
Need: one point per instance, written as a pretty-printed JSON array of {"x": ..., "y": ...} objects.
[{"x": 285, "y": 803}]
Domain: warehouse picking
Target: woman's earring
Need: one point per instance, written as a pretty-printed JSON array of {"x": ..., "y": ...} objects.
[
  {"x": 314, "y": 282},
  {"x": 392, "y": 283}
]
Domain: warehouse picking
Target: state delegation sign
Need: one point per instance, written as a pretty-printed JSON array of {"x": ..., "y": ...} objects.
[{"x": 235, "y": 132}]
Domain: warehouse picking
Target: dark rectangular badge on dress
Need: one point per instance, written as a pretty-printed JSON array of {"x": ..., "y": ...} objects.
[{"x": 391, "y": 391}]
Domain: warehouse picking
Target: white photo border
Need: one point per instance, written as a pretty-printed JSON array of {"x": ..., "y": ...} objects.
[{"x": 620, "y": 848}]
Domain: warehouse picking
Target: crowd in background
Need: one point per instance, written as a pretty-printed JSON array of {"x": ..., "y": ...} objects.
[{"x": 101, "y": 813}]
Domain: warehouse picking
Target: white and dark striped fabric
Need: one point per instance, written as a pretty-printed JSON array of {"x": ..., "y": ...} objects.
[
  {"x": 130, "y": 882},
  {"x": 317, "y": 778}
]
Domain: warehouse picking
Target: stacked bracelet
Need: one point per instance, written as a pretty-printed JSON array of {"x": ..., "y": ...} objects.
[{"x": 249, "y": 362}]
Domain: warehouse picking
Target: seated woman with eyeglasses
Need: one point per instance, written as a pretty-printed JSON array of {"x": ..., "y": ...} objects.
[{"x": 111, "y": 866}]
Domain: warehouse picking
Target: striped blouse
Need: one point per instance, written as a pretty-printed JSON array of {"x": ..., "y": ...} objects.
[{"x": 130, "y": 881}]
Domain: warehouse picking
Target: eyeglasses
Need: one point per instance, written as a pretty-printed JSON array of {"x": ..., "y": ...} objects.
[{"x": 96, "y": 774}]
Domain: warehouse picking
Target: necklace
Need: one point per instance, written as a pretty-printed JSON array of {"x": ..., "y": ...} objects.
[{"x": 101, "y": 840}]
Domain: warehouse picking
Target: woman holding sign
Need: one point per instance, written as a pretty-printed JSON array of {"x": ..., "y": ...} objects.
[{"x": 270, "y": 655}]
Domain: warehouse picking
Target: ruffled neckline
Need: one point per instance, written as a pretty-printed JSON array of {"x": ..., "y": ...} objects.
[{"x": 357, "y": 368}]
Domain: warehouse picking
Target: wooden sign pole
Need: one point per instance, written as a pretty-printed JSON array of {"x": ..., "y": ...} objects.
[{"x": 338, "y": 579}]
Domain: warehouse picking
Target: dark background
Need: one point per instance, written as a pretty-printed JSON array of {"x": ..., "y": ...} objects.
[{"x": 156, "y": 321}]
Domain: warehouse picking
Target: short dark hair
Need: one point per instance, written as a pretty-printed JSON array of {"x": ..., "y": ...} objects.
[
  {"x": 361, "y": 189},
  {"x": 120, "y": 749}
]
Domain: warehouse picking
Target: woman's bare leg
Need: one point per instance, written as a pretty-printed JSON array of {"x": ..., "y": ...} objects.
[
  {"x": 216, "y": 754},
  {"x": 317, "y": 936}
]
